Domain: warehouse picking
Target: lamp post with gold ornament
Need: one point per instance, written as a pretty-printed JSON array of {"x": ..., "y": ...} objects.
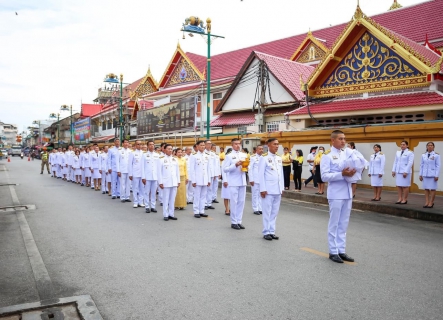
[
  {"x": 112, "y": 78},
  {"x": 195, "y": 25}
]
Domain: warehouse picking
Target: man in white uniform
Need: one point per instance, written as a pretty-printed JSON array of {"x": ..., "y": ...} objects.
[
  {"x": 112, "y": 169},
  {"x": 123, "y": 171},
  {"x": 136, "y": 173},
  {"x": 168, "y": 181},
  {"x": 104, "y": 171},
  {"x": 271, "y": 184},
  {"x": 334, "y": 171},
  {"x": 254, "y": 180},
  {"x": 199, "y": 176},
  {"x": 150, "y": 176},
  {"x": 217, "y": 169},
  {"x": 236, "y": 180},
  {"x": 189, "y": 187},
  {"x": 211, "y": 171}
]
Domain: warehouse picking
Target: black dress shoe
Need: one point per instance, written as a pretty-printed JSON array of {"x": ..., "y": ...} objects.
[
  {"x": 172, "y": 218},
  {"x": 274, "y": 237},
  {"x": 107, "y": 192},
  {"x": 127, "y": 200},
  {"x": 241, "y": 226},
  {"x": 398, "y": 202},
  {"x": 235, "y": 226},
  {"x": 345, "y": 257},
  {"x": 203, "y": 215},
  {"x": 147, "y": 210},
  {"x": 261, "y": 212},
  {"x": 406, "y": 202},
  {"x": 211, "y": 207},
  {"x": 118, "y": 197},
  {"x": 161, "y": 204},
  {"x": 153, "y": 210},
  {"x": 196, "y": 215},
  {"x": 103, "y": 192},
  {"x": 214, "y": 201},
  {"x": 166, "y": 219},
  {"x": 257, "y": 212},
  {"x": 113, "y": 197},
  {"x": 190, "y": 202},
  {"x": 335, "y": 258},
  {"x": 267, "y": 237}
]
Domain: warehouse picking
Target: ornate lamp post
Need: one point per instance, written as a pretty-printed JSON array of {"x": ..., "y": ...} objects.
[
  {"x": 195, "y": 25},
  {"x": 112, "y": 78}
]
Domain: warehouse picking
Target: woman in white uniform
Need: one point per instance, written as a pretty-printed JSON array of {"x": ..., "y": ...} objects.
[
  {"x": 376, "y": 171},
  {"x": 429, "y": 173},
  {"x": 76, "y": 167},
  {"x": 86, "y": 165},
  {"x": 402, "y": 170}
]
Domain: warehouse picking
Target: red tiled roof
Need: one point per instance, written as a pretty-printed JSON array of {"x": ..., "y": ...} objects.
[
  {"x": 90, "y": 109},
  {"x": 413, "y": 22},
  {"x": 198, "y": 61},
  {"x": 145, "y": 104},
  {"x": 103, "y": 139},
  {"x": 383, "y": 102},
  {"x": 287, "y": 72},
  {"x": 189, "y": 87},
  {"x": 237, "y": 118}
]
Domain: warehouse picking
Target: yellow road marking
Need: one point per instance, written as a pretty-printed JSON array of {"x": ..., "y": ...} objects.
[{"x": 322, "y": 254}]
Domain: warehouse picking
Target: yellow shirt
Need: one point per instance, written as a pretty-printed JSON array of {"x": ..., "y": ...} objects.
[
  {"x": 299, "y": 159},
  {"x": 317, "y": 158},
  {"x": 222, "y": 156},
  {"x": 182, "y": 167},
  {"x": 286, "y": 158}
]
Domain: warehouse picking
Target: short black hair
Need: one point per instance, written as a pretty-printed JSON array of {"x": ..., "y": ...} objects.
[
  {"x": 378, "y": 146},
  {"x": 405, "y": 142},
  {"x": 167, "y": 145},
  {"x": 162, "y": 144},
  {"x": 352, "y": 144},
  {"x": 271, "y": 140},
  {"x": 235, "y": 139},
  {"x": 300, "y": 153},
  {"x": 199, "y": 142},
  {"x": 150, "y": 142}
]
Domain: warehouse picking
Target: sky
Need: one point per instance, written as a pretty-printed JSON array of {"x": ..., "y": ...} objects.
[{"x": 56, "y": 52}]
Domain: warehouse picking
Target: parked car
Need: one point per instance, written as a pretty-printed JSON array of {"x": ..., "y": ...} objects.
[
  {"x": 16, "y": 151},
  {"x": 3, "y": 153}
]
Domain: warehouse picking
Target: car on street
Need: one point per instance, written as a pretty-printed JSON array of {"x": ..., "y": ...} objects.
[{"x": 16, "y": 151}]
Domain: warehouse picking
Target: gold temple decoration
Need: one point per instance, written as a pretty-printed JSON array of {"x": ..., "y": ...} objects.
[
  {"x": 395, "y": 5},
  {"x": 146, "y": 86},
  {"x": 208, "y": 25},
  {"x": 182, "y": 73},
  {"x": 311, "y": 53},
  {"x": 310, "y": 40}
]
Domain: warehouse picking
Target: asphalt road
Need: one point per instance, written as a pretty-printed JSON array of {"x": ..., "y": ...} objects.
[{"x": 137, "y": 266}]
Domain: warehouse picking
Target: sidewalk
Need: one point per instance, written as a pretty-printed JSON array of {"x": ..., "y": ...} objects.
[{"x": 414, "y": 209}]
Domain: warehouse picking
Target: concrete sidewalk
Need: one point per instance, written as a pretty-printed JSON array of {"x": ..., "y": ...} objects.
[{"x": 413, "y": 209}]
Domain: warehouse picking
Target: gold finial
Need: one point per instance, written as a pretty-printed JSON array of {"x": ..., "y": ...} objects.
[
  {"x": 358, "y": 13},
  {"x": 309, "y": 32},
  {"x": 121, "y": 77},
  {"x": 208, "y": 25},
  {"x": 178, "y": 42},
  {"x": 395, "y": 5}
]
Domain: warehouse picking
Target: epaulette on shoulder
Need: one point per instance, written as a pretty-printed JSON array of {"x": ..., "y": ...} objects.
[
  {"x": 327, "y": 151},
  {"x": 119, "y": 148},
  {"x": 381, "y": 153},
  {"x": 253, "y": 155},
  {"x": 437, "y": 153},
  {"x": 161, "y": 157},
  {"x": 264, "y": 154},
  {"x": 145, "y": 151},
  {"x": 193, "y": 152},
  {"x": 207, "y": 152}
]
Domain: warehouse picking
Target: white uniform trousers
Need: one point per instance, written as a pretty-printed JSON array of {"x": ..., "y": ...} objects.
[
  {"x": 68, "y": 175},
  {"x": 160, "y": 195},
  {"x": 115, "y": 184},
  {"x": 214, "y": 187},
  {"x": 339, "y": 213},
  {"x": 168, "y": 201},
  {"x": 83, "y": 177},
  {"x": 237, "y": 203},
  {"x": 104, "y": 181},
  {"x": 200, "y": 193},
  {"x": 256, "y": 198},
  {"x": 72, "y": 173},
  {"x": 271, "y": 205},
  {"x": 209, "y": 194},
  {"x": 150, "y": 193},
  {"x": 189, "y": 192},
  {"x": 124, "y": 186},
  {"x": 138, "y": 190},
  {"x": 59, "y": 171}
]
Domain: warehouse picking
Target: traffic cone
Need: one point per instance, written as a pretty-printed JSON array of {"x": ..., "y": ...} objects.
[
  {"x": 9, "y": 159},
  {"x": 29, "y": 158}
]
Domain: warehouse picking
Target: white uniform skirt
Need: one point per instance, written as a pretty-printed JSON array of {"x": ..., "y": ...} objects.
[
  {"x": 65, "y": 170},
  {"x": 225, "y": 192},
  {"x": 402, "y": 182},
  {"x": 87, "y": 173},
  {"x": 376, "y": 181},
  {"x": 77, "y": 171},
  {"x": 429, "y": 183},
  {"x": 96, "y": 174}
]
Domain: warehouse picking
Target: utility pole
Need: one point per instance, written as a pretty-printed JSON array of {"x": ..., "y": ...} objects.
[{"x": 262, "y": 96}]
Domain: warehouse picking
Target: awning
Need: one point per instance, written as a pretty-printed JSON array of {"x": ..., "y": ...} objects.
[{"x": 103, "y": 139}]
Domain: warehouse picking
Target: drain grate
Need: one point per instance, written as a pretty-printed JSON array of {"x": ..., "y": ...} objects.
[
  {"x": 15, "y": 208},
  {"x": 56, "y": 313}
]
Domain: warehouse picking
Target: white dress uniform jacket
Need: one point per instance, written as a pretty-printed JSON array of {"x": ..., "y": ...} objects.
[
  {"x": 430, "y": 165},
  {"x": 168, "y": 172},
  {"x": 331, "y": 166},
  {"x": 136, "y": 164},
  {"x": 234, "y": 175},
  {"x": 377, "y": 163},
  {"x": 199, "y": 168},
  {"x": 403, "y": 161},
  {"x": 123, "y": 160},
  {"x": 270, "y": 174},
  {"x": 150, "y": 166}
]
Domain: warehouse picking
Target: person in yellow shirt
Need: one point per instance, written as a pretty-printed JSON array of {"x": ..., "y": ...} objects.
[
  {"x": 297, "y": 165},
  {"x": 180, "y": 199},
  {"x": 317, "y": 159},
  {"x": 287, "y": 160}
]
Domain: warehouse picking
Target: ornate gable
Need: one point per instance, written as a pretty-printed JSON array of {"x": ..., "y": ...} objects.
[
  {"x": 311, "y": 53},
  {"x": 146, "y": 86},
  {"x": 182, "y": 73}
]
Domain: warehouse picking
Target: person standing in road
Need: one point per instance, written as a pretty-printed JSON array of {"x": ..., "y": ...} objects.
[
  {"x": 217, "y": 172},
  {"x": 429, "y": 173},
  {"x": 136, "y": 173},
  {"x": 189, "y": 187},
  {"x": 310, "y": 160},
  {"x": 106, "y": 177},
  {"x": 180, "y": 199},
  {"x": 402, "y": 170},
  {"x": 236, "y": 179},
  {"x": 76, "y": 167},
  {"x": 200, "y": 177},
  {"x": 271, "y": 183},
  {"x": 334, "y": 171},
  {"x": 376, "y": 171},
  {"x": 45, "y": 159},
  {"x": 287, "y": 161},
  {"x": 53, "y": 163},
  {"x": 254, "y": 180},
  {"x": 317, "y": 171},
  {"x": 86, "y": 164},
  {"x": 112, "y": 169},
  {"x": 225, "y": 190},
  {"x": 212, "y": 173},
  {"x": 150, "y": 176},
  {"x": 297, "y": 164},
  {"x": 95, "y": 168},
  {"x": 123, "y": 171},
  {"x": 168, "y": 181}
]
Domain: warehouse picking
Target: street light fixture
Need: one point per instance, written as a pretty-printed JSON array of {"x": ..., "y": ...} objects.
[
  {"x": 112, "y": 78},
  {"x": 195, "y": 25}
]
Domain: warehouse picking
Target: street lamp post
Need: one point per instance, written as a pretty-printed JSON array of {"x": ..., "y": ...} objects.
[
  {"x": 195, "y": 25},
  {"x": 112, "y": 78},
  {"x": 67, "y": 108}
]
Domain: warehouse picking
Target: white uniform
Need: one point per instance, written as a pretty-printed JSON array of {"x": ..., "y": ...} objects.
[
  {"x": 199, "y": 174},
  {"x": 123, "y": 169},
  {"x": 236, "y": 179},
  {"x": 339, "y": 196},
  {"x": 150, "y": 174},
  {"x": 95, "y": 165},
  {"x": 169, "y": 177},
  {"x": 271, "y": 180},
  {"x": 106, "y": 176},
  {"x": 76, "y": 166},
  {"x": 376, "y": 167},
  {"x": 86, "y": 164},
  {"x": 189, "y": 187},
  {"x": 254, "y": 177},
  {"x": 82, "y": 154},
  {"x": 214, "y": 161},
  {"x": 112, "y": 164},
  {"x": 136, "y": 172},
  {"x": 430, "y": 169},
  {"x": 403, "y": 162}
]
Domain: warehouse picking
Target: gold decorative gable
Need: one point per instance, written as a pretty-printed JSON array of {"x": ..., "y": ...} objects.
[
  {"x": 146, "y": 86},
  {"x": 311, "y": 53},
  {"x": 183, "y": 73}
]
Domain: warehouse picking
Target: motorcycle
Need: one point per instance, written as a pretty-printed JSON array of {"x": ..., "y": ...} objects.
[{"x": 21, "y": 155}]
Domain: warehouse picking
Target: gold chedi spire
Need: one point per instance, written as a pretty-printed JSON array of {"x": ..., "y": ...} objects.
[{"x": 395, "y": 5}]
